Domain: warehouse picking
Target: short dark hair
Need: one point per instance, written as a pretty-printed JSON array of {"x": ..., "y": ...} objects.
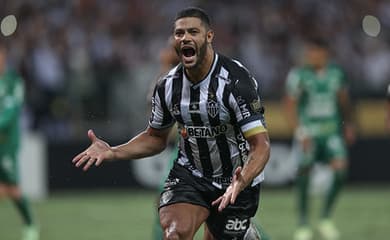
[
  {"x": 317, "y": 41},
  {"x": 194, "y": 12}
]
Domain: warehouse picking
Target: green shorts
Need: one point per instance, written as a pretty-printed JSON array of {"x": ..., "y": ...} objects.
[
  {"x": 323, "y": 150},
  {"x": 9, "y": 168}
]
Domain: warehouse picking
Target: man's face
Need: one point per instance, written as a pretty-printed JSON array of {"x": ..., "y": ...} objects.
[
  {"x": 316, "y": 56},
  {"x": 190, "y": 40}
]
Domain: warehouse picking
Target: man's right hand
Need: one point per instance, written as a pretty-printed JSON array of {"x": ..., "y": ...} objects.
[{"x": 96, "y": 153}]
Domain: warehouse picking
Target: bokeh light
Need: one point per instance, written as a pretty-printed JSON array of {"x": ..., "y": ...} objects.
[
  {"x": 371, "y": 25},
  {"x": 8, "y": 25}
]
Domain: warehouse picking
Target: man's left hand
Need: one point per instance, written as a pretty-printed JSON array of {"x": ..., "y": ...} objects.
[{"x": 231, "y": 193}]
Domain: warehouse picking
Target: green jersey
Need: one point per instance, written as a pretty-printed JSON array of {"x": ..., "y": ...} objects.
[
  {"x": 317, "y": 98},
  {"x": 11, "y": 100}
]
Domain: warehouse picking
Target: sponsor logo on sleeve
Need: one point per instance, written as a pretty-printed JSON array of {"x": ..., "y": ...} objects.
[
  {"x": 166, "y": 197},
  {"x": 244, "y": 111},
  {"x": 255, "y": 106}
]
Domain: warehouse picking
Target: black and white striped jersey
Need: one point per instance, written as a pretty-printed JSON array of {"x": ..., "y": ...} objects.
[{"x": 214, "y": 116}]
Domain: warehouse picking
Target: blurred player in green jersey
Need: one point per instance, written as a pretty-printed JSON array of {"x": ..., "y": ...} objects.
[
  {"x": 11, "y": 100},
  {"x": 317, "y": 104}
]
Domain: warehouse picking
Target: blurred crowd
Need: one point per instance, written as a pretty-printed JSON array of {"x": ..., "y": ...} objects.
[{"x": 93, "y": 61}]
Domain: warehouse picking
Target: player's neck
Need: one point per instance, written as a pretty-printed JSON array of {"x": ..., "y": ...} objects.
[
  {"x": 199, "y": 72},
  {"x": 319, "y": 69}
]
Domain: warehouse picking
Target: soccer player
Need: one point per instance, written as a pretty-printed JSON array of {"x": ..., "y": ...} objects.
[
  {"x": 224, "y": 145},
  {"x": 317, "y": 104},
  {"x": 11, "y": 100}
]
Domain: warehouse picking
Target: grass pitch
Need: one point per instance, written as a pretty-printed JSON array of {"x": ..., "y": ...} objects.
[{"x": 361, "y": 213}]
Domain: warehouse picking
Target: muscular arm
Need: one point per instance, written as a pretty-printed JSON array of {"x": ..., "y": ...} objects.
[
  {"x": 258, "y": 157},
  {"x": 147, "y": 143}
]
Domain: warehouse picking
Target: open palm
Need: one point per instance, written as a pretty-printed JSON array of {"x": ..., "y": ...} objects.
[{"x": 96, "y": 153}]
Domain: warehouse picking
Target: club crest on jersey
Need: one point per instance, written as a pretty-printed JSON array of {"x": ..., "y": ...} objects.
[{"x": 212, "y": 108}]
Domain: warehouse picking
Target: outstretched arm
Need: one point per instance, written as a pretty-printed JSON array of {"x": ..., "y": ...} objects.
[
  {"x": 147, "y": 143},
  {"x": 243, "y": 176}
]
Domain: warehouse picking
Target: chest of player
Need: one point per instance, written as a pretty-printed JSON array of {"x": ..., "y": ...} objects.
[
  {"x": 319, "y": 95},
  {"x": 320, "y": 86},
  {"x": 202, "y": 111}
]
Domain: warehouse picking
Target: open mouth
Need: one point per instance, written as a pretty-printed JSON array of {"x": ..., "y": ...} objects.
[{"x": 188, "y": 51}]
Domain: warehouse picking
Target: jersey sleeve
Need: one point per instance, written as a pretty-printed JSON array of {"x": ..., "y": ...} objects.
[
  {"x": 11, "y": 103},
  {"x": 293, "y": 83},
  {"x": 246, "y": 104},
  {"x": 160, "y": 117}
]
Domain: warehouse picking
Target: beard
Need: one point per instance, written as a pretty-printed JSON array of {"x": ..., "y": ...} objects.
[{"x": 200, "y": 54}]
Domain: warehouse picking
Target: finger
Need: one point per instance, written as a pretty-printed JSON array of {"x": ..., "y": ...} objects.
[
  {"x": 92, "y": 135},
  {"x": 234, "y": 196},
  {"x": 216, "y": 202},
  {"x": 77, "y": 158},
  {"x": 82, "y": 160},
  {"x": 99, "y": 161},
  {"x": 89, "y": 164},
  {"x": 223, "y": 204}
]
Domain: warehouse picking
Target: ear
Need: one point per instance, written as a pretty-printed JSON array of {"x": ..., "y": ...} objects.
[{"x": 210, "y": 36}]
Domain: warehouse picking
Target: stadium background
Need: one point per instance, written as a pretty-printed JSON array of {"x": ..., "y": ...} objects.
[{"x": 90, "y": 64}]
